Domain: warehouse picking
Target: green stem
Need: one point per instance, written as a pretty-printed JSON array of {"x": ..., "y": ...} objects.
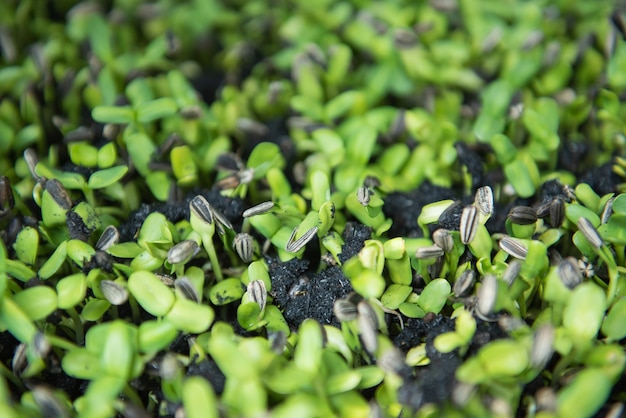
[
  {"x": 607, "y": 257},
  {"x": 4, "y": 371},
  {"x": 79, "y": 331},
  {"x": 207, "y": 241},
  {"x": 134, "y": 309}
]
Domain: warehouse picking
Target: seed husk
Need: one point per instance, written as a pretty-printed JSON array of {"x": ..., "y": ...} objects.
[
  {"x": 113, "y": 292},
  {"x": 371, "y": 182},
  {"x": 469, "y": 224},
  {"x": 258, "y": 292},
  {"x": 363, "y": 195},
  {"x": 243, "y": 245},
  {"x": 513, "y": 247},
  {"x": 187, "y": 289},
  {"x": 191, "y": 112},
  {"x": 464, "y": 283},
  {"x": 523, "y": 215},
  {"x": 616, "y": 411},
  {"x": 182, "y": 252},
  {"x": 368, "y": 326},
  {"x": 569, "y": 273},
  {"x": 585, "y": 267},
  {"x": 7, "y": 200},
  {"x": 58, "y": 193},
  {"x": 557, "y": 212},
  {"x": 435, "y": 269},
  {"x": 404, "y": 39},
  {"x": 41, "y": 345},
  {"x": 443, "y": 239},
  {"x": 295, "y": 246},
  {"x": 607, "y": 211},
  {"x": 201, "y": 208},
  {"x": 590, "y": 232},
  {"x": 82, "y": 133},
  {"x": 542, "y": 349},
  {"x": 392, "y": 361},
  {"x": 258, "y": 209},
  {"x": 345, "y": 310},
  {"x": 110, "y": 236},
  {"x": 31, "y": 159},
  {"x": 486, "y": 295},
  {"x": 229, "y": 161},
  {"x": 252, "y": 127},
  {"x": 484, "y": 200},
  {"x": 546, "y": 399},
  {"x": 169, "y": 366},
  {"x": 222, "y": 221},
  {"x": 18, "y": 362},
  {"x": 432, "y": 251},
  {"x": 511, "y": 272},
  {"x": 48, "y": 403},
  {"x": 462, "y": 392}
]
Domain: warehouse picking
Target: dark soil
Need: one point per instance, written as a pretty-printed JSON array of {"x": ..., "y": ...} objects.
[
  {"x": 602, "y": 179},
  {"x": 231, "y": 208},
  {"x": 302, "y": 293},
  {"x": 404, "y": 208},
  {"x": 433, "y": 383}
]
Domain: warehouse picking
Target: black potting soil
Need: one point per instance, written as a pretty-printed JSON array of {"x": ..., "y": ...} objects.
[
  {"x": 405, "y": 208},
  {"x": 433, "y": 383},
  {"x": 231, "y": 208},
  {"x": 302, "y": 293},
  {"x": 602, "y": 179}
]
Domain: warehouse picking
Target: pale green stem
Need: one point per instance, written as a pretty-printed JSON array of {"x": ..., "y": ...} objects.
[{"x": 207, "y": 241}]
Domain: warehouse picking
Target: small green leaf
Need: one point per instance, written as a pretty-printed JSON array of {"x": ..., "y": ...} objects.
[
  {"x": 140, "y": 148},
  {"x": 584, "y": 312},
  {"x": 575, "y": 211},
  {"x": 368, "y": 284},
  {"x": 94, "y": 309},
  {"x": 117, "y": 353},
  {"x": 155, "y": 297},
  {"x": 113, "y": 114},
  {"x": 614, "y": 326},
  {"x": 81, "y": 364},
  {"x": 125, "y": 250},
  {"x": 106, "y": 177},
  {"x": 71, "y": 290},
  {"x": 156, "y": 335},
  {"x": 183, "y": 165},
  {"x": 395, "y": 295},
  {"x": 343, "y": 382},
  {"x": 263, "y": 157},
  {"x": 156, "y": 109},
  {"x": 619, "y": 204},
  {"x": 37, "y": 302},
  {"x": 189, "y": 316},
  {"x": 614, "y": 230},
  {"x": 584, "y": 396},
  {"x": 54, "y": 262},
  {"x": 504, "y": 358},
  {"x": 248, "y": 315},
  {"x": 199, "y": 399},
  {"x": 518, "y": 173},
  {"x": 226, "y": 291},
  {"x": 411, "y": 310},
  {"x": 434, "y": 296},
  {"x": 26, "y": 245},
  {"x": 308, "y": 354},
  {"x": 13, "y": 319}
]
